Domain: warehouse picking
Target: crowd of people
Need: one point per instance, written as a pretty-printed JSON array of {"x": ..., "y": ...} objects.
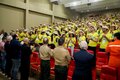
[{"x": 52, "y": 41}]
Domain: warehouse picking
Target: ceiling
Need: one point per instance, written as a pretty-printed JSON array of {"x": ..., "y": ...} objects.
[{"x": 90, "y": 5}]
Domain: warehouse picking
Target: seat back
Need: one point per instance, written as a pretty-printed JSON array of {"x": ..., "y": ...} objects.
[
  {"x": 76, "y": 50},
  {"x": 35, "y": 58},
  {"x": 71, "y": 69},
  {"x": 69, "y": 50},
  {"x": 108, "y": 73},
  {"x": 52, "y": 67},
  {"x": 101, "y": 59},
  {"x": 90, "y": 51}
]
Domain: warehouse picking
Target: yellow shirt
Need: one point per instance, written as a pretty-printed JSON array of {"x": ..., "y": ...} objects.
[
  {"x": 33, "y": 36},
  {"x": 55, "y": 40},
  {"x": 21, "y": 36},
  {"x": 93, "y": 36},
  {"x": 49, "y": 39},
  {"x": 81, "y": 38},
  {"x": 104, "y": 41},
  {"x": 71, "y": 42},
  {"x": 37, "y": 41}
]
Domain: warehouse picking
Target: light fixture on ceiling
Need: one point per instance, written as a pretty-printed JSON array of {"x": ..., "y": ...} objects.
[
  {"x": 96, "y": 0},
  {"x": 106, "y": 7},
  {"x": 81, "y": 2},
  {"x": 75, "y": 3},
  {"x": 88, "y": 10},
  {"x": 82, "y": 11}
]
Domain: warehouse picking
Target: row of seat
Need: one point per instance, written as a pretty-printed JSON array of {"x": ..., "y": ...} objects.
[{"x": 101, "y": 60}]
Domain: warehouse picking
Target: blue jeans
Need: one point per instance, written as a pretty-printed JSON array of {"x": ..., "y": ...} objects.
[
  {"x": 15, "y": 68},
  {"x": 3, "y": 61}
]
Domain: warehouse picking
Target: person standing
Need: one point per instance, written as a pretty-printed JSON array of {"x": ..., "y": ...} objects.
[
  {"x": 62, "y": 59},
  {"x": 45, "y": 54},
  {"x": 114, "y": 49},
  {"x": 105, "y": 38},
  {"x": 2, "y": 55},
  {"x": 16, "y": 56},
  {"x": 83, "y": 63},
  {"x": 8, "y": 56},
  {"x": 71, "y": 42},
  {"x": 25, "y": 59}
]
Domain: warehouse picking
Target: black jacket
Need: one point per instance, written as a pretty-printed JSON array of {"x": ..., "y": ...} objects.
[
  {"x": 15, "y": 49},
  {"x": 83, "y": 62}
]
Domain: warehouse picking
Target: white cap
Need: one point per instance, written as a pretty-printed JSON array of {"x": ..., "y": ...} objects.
[
  {"x": 83, "y": 45},
  {"x": 26, "y": 40},
  {"x": 9, "y": 38},
  {"x": 105, "y": 27}
]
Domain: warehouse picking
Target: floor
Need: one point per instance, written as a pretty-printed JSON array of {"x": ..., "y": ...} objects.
[{"x": 4, "y": 78}]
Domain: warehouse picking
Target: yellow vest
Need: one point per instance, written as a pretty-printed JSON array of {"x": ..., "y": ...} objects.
[
  {"x": 81, "y": 38},
  {"x": 93, "y": 36},
  {"x": 104, "y": 41},
  {"x": 72, "y": 40}
]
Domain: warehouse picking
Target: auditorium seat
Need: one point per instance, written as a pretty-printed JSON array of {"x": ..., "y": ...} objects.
[
  {"x": 101, "y": 59},
  {"x": 97, "y": 48},
  {"x": 69, "y": 50},
  {"x": 76, "y": 50},
  {"x": 93, "y": 73},
  {"x": 90, "y": 51},
  {"x": 35, "y": 62},
  {"x": 108, "y": 73},
  {"x": 76, "y": 45},
  {"x": 52, "y": 67},
  {"x": 71, "y": 69}
]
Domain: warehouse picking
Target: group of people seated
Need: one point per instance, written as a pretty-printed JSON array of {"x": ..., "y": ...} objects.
[{"x": 53, "y": 40}]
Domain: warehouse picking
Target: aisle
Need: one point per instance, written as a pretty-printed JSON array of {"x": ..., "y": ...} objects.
[{"x": 2, "y": 77}]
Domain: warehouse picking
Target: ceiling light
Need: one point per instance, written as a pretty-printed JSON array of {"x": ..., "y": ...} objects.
[
  {"x": 96, "y": 0},
  {"x": 74, "y": 3},
  {"x": 88, "y": 10},
  {"x": 106, "y": 7}
]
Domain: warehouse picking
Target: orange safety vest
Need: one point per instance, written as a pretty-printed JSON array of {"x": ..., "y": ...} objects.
[{"x": 114, "y": 49}]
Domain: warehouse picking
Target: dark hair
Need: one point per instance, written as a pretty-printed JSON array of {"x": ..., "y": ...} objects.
[
  {"x": 14, "y": 36},
  {"x": 117, "y": 35},
  {"x": 45, "y": 40},
  {"x": 4, "y": 38},
  {"x": 61, "y": 41}
]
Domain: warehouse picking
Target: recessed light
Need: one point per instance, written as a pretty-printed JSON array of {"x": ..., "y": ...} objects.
[
  {"x": 88, "y": 10},
  {"x": 106, "y": 7}
]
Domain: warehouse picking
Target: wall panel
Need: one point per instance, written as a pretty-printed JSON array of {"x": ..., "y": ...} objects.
[
  {"x": 57, "y": 19},
  {"x": 45, "y": 4},
  {"x": 36, "y": 18},
  {"x": 11, "y": 18}
]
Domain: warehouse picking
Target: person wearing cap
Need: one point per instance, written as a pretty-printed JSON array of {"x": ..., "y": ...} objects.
[
  {"x": 104, "y": 38},
  {"x": 32, "y": 36},
  {"x": 42, "y": 36},
  {"x": 8, "y": 56},
  {"x": 71, "y": 42},
  {"x": 55, "y": 38},
  {"x": 45, "y": 55},
  {"x": 83, "y": 63},
  {"x": 92, "y": 40},
  {"x": 114, "y": 49},
  {"x": 64, "y": 37},
  {"x": 25, "y": 59},
  {"x": 81, "y": 36},
  {"x": 62, "y": 59}
]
